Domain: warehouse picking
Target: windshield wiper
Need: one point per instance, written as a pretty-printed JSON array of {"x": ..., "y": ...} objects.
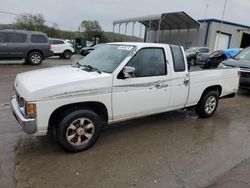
[
  {"x": 77, "y": 64},
  {"x": 90, "y": 68}
]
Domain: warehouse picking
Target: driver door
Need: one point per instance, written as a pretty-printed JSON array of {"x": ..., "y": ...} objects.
[{"x": 148, "y": 92}]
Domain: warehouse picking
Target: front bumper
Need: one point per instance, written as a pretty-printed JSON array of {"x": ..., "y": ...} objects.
[{"x": 27, "y": 124}]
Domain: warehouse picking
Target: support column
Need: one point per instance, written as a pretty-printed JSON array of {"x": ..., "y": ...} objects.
[
  {"x": 133, "y": 27},
  {"x": 119, "y": 28},
  {"x": 126, "y": 28},
  {"x": 140, "y": 28},
  {"x": 149, "y": 28},
  {"x": 158, "y": 33}
]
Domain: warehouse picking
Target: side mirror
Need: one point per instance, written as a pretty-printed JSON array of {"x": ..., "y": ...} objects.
[
  {"x": 128, "y": 72},
  {"x": 198, "y": 52}
]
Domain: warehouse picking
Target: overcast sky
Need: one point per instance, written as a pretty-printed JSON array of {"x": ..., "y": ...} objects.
[{"x": 71, "y": 12}]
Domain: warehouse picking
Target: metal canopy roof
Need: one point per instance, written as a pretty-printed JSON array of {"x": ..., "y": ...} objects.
[{"x": 165, "y": 21}]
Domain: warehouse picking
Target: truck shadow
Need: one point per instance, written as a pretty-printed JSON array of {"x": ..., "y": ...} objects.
[{"x": 244, "y": 92}]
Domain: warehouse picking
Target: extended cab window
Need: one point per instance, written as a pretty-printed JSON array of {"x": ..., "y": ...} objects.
[
  {"x": 178, "y": 58},
  {"x": 35, "y": 38},
  {"x": 149, "y": 62},
  {"x": 17, "y": 37}
]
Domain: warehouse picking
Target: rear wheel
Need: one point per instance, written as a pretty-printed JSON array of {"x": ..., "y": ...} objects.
[
  {"x": 208, "y": 104},
  {"x": 67, "y": 54},
  {"x": 78, "y": 130},
  {"x": 35, "y": 58}
]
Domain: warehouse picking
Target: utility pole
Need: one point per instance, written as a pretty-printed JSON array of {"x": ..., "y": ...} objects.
[
  {"x": 204, "y": 24},
  {"x": 221, "y": 24}
]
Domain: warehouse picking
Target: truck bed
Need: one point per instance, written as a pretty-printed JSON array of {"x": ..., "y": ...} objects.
[{"x": 228, "y": 79}]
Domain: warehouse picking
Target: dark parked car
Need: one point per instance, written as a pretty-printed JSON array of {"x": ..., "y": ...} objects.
[
  {"x": 242, "y": 60},
  {"x": 215, "y": 58},
  {"x": 193, "y": 54},
  {"x": 86, "y": 50},
  {"x": 32, "y": 46}
]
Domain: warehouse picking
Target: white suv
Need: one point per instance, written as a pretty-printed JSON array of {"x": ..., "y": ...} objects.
[{"x": 61, "y": 48}]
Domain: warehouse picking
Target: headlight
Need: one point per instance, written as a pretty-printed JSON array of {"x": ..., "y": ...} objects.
[
  {"x": 30, "y": 109},
  {"x": 222, "y": 66}
]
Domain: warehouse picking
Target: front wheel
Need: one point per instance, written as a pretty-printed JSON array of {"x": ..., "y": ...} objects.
[
  {"x": 78, "y": 130},
  {"x": 208, "y": 104}
]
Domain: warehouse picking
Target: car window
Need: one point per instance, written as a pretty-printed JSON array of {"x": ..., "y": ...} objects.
[
  {"x": 178, "y": 59},
  {"x": 3, "y": 37},
  {"x": 206, "y": 50},
  {"x": 58, "y": 42},
  {"x": 202, "y": 50},
  {"x": 36, "y": 38},
  {"x": 243, "y": 55},
  {"x": 149, "y": 62},
  {"x": 17, "y": 37}
]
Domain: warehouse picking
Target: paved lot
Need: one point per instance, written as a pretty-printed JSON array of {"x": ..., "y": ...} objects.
[{"x": 174, "y": 149}]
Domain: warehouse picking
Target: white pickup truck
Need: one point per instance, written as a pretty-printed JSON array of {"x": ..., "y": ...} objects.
[{"x": 116, "y": 82}]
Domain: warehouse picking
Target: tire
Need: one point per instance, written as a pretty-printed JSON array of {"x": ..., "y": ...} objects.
[
  {"x": 35, "y": 58},
  {"x": 67, "y": 54},
  {"x": 208, "y": 104},
  {"x": 192, "y": 62},
  {"x": 78, "y": 130}
]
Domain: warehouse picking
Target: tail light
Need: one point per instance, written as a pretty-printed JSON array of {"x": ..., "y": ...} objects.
[{"x": 49, "y": 46}]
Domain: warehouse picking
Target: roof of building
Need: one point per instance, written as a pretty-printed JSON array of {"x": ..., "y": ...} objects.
[
  {"x": 224, "y": 22},
  {"x": 165, "y": 21}
]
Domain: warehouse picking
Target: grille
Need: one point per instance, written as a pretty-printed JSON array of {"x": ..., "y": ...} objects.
[{"x": 20, "y": 100}]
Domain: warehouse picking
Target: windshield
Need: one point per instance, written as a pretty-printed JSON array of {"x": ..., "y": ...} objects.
[
  {"x": 244, "y": 55},
  {"x": 192, "y": 50},
  {"x": 107, "y": 57}
]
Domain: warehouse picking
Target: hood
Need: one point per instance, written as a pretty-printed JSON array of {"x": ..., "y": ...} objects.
[
  {"x": 58, "y": 81},
  {"x": 237, "y": 63}
]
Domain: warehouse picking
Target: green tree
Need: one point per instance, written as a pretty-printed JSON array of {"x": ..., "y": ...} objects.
[
  {"x": 27, "y": 21},
  {"x": 91, "y": 29}
]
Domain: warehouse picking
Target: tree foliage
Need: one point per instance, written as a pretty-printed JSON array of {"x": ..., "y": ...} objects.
[
  {"x": 91, "y": 29},
  {"x": 30, "y": 22}
]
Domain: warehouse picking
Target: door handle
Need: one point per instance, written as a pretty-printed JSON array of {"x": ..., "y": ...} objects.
[
  {"x": 186, "y": 82},
  {"x": 159, "y": 86},
  {"x": 3, "y": 44}
]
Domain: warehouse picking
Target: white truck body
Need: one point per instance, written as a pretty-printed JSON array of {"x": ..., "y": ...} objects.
[{"x": 123, "y": 99}]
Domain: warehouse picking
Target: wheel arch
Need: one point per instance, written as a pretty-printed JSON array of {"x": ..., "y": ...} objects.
[
  {"x": 67, "y": 50},
  {"x": 97, "y": 107},
  {"x": 212, "y": 88}
]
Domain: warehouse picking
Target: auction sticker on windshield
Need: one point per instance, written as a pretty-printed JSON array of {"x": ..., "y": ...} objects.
[{"x": 128, "y": 48}]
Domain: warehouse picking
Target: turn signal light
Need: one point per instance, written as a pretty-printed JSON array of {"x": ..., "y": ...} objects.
[{"x": 31, "y": 109}]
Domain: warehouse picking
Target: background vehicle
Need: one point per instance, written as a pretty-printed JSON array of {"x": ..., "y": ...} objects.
[
  {"x": 194, "y": 54},
  {"x": 29, "y": 45},
  {"x": 61, "y": 48},
  {"x": 215, "y": 58},
  {"x": 86, "y": 50},
  {"x": 116, "y": 82},
  {"x": 242, "y": 60}
]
